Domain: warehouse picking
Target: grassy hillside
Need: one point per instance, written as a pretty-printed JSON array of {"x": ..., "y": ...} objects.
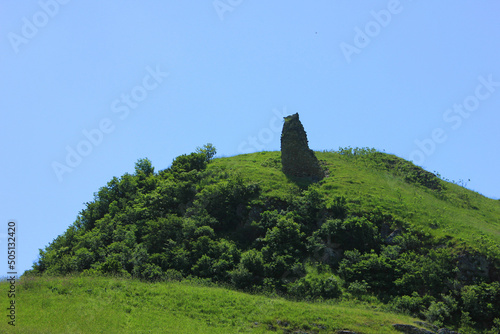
[
  {"x": 377, "y": 182},
  {"x": 377, "y": 229},
  {"x": 111, "y": 305}
]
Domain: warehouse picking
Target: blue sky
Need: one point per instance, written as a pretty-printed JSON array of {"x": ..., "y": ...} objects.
[{"x": 90, "y": 87}]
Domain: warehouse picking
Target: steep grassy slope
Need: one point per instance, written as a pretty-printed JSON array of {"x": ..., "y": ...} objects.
[
  {"x": 73, "y": 305},
  {"x": 374, "y": 182}
]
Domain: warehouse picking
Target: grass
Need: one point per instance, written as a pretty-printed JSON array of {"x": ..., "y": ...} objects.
[
  {"x": 369, "y": 185},
  {"x": 80, "y": 304}
]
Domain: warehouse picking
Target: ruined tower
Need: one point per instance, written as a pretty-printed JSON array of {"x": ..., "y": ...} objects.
[{"x": 297, "y": 158}]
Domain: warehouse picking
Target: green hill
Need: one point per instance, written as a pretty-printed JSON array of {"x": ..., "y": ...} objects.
[
  {"x": 382, "y": 184},
  {"x": 377, "y": 230},
  {"x": 85, "y": 304}
]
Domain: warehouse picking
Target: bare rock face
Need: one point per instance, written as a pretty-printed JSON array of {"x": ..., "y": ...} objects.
[{"x": 297, "y": 158}]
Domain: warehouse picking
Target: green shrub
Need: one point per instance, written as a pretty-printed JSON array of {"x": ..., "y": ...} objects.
[
  {"x": 203, "y": 267},
  {"x": 242, "y": 278},
  {"x": 252, "y": 261},
  {"x": 186, "y": 163},
  {"x": 112, "y": 265},
  {"x": 152, "y": 272},
  {"x": 378, "y": 271},
  {"x": 437, "y": 313},
  {"x": 173, "y": 275},
  {"x": 313, "y": 287},
  {"x": 482, "y": 302},
  {"x": 84, "y": 259},
  {"x": 428, "y": 273},
  {"x": 358, "y": 289},
  {"x": 414, "y": 304}
]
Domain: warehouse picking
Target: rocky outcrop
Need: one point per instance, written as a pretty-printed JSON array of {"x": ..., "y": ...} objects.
[
  {"x": 427, "y": 325},
  {"x": 297, "y": 158},
  {"x": 429, "y": 329},
  {"x": 409, "y": 329},
  {"x": 472, "y": 267},
  {"x": 446, "y": 331}
]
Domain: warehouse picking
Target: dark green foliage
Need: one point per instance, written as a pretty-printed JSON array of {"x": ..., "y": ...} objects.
[
  {"x": 225, "y": 201},
  {"x": 308, "y": 209},
  {"x": 335, "y": 234},
  {"x": 440, "y": 313},
  {"x": 269, "y": 220},
  {"x": 358, "y": 289},
  {"x": 482, "y": 302},
  {"x": 84, "y": 258},
  {"x": 250, "y": 271},
  {"x": 158, "y": 232},
  {"x": 338, "y": 207},
  {"x": 187, "y": 163},
  {"x": 414, "y": 303},
  {"x": 242, "y": 278},
  {"x": 430, "y": 273},
  {"x": 210, "y": 222},
  {"x": 284, "y": 239},
  {"x": 283, "y": 248},
  {"x": 313, "y": 287},
  {"x": 377, "y": 270},
  {"x": 112, "y": 264},
  {"x": 357, "y": 233},
  {"x": 253, "y": 262},
  {"x": 144, "y": 166}
]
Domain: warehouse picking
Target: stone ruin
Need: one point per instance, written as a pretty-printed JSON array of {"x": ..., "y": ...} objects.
[{"x": 297, "y": 158}]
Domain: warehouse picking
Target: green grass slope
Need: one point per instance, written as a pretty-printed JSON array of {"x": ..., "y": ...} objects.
[
  {"x": 378, "y": 182},
  {"x": 77, "y": 304}
]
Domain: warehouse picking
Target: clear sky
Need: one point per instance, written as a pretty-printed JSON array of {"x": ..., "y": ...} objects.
[{"x": 89, "y": 87}]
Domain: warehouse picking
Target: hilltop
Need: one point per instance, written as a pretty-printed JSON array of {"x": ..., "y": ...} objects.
[{"x": 376, "y": 229}]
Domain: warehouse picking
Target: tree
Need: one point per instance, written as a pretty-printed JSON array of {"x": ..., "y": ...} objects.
[
  {"x": 186, "y": 163},
  {"x": 144, "y": 166},
  {"x": 157, "y": 232},
  {"x": 284, "y": 239},
  {"x": 208, "y": 150},
  {"x": 284, "y": 248}
]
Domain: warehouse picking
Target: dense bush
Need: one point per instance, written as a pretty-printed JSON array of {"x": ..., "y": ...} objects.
[
  {"x": 413, "y": 304},
  {"x": 376, "y": 270},
  {"x": 313, "y": 287},
  {"x": 482, "y": 302}
]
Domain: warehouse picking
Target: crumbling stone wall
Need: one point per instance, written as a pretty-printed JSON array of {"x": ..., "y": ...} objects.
[{"x": 297, "y": 158}]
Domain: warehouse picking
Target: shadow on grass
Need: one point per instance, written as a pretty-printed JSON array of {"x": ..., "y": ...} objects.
[{"x": 302, "y": 182}]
